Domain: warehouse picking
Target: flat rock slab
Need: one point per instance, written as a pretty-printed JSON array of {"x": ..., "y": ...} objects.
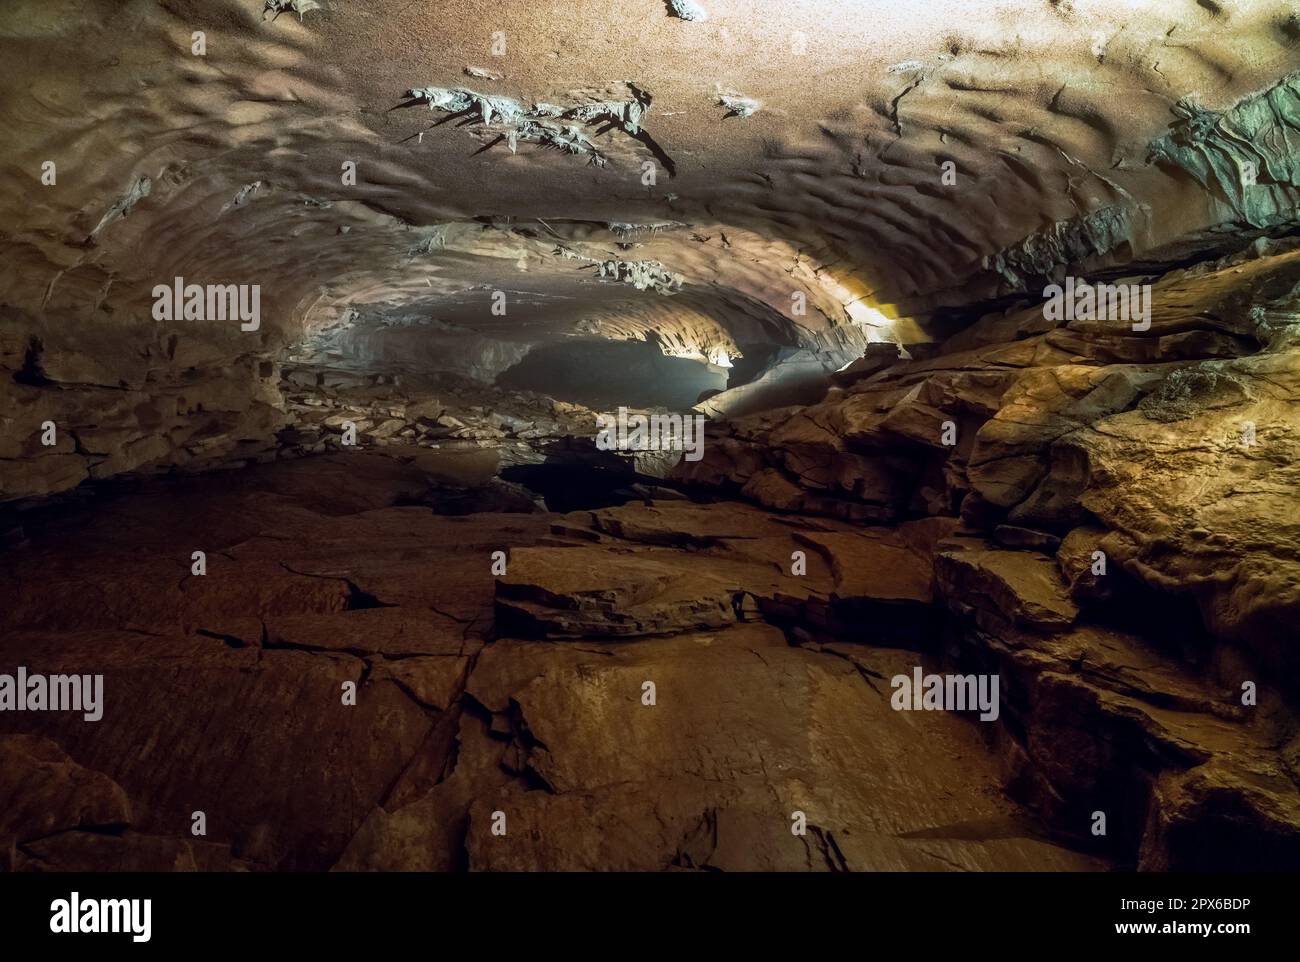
[
  {"x": 745, "y": 731},
  {"x": 596, "y": 590},
  {"x": 395, "y": 632},
  {"x": 1022, "y": 588},
  {"x": 874, "y": 566},
  {"x": 259, "y": 740}
]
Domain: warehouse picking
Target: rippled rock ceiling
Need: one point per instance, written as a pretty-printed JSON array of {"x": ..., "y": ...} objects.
[{"x": 830, "y": 223}]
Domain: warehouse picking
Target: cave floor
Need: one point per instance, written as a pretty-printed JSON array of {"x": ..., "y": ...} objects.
[{"x": 499, "y": 722}]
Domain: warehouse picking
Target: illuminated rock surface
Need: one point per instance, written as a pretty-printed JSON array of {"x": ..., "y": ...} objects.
[{"x": 832, "y": 233}]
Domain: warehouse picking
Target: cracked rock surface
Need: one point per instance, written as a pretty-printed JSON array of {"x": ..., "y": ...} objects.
[
  {"x": 368, "y": 590},
  {"x": 456, "y": 719},
  {"x": 523, "y": 695}
]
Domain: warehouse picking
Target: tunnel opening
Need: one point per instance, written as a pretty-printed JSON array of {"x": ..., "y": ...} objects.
[{"x": 606, "y": 375}]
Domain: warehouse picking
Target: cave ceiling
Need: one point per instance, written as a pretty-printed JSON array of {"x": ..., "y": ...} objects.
[{"x": 802, "y": 174}]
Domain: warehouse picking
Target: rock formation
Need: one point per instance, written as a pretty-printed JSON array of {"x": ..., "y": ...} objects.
[{"x": 311, "y": 326}]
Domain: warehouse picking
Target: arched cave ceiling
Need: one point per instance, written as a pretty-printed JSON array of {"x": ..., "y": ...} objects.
[
  {"x": 832, "y": 190},
  {"x": 1100, "y": 513}
]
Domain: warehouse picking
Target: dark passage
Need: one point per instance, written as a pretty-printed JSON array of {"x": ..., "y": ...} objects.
[{"x": 605, "y": 375}]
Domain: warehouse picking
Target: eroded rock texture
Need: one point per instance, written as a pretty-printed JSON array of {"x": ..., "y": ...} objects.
[
  {"x": 223, "y": 691},
  {"x": 1110, "y": 531},
  {"x": 367, "y": 590}
]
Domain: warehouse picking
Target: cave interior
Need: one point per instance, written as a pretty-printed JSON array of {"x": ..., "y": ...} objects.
[{"x": 970, "y": 541}]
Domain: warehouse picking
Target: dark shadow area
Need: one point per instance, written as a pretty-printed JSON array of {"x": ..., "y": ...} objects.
[{"x": 577, "y": 476}]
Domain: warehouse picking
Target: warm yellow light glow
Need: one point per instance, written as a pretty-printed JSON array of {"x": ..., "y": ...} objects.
[
  {"x": 866, "y": 316},
  {"x": 860, "y": 313}
]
